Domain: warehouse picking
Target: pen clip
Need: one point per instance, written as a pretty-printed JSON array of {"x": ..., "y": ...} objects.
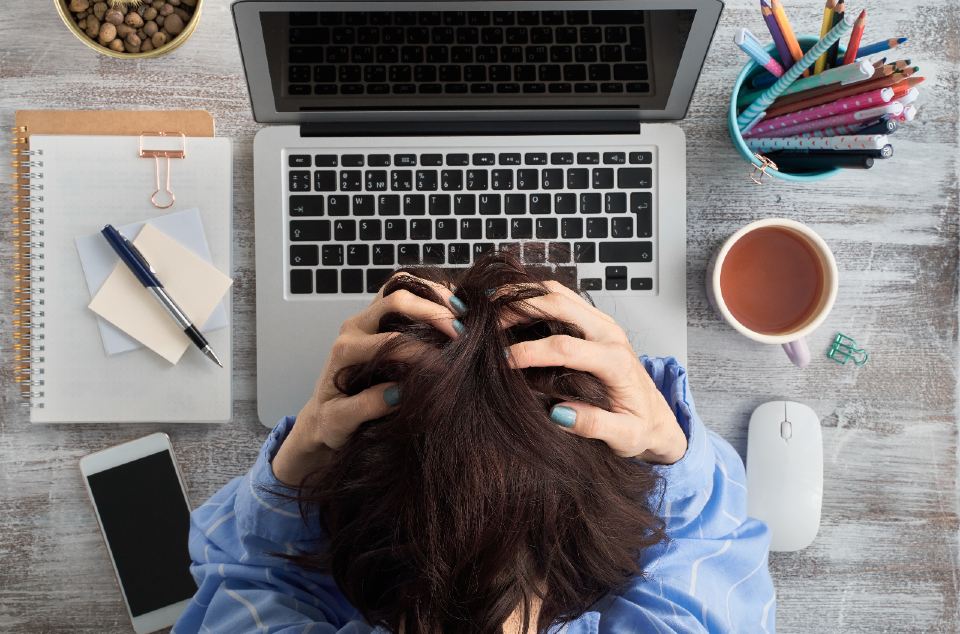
[{"x": 139, "y": 254}]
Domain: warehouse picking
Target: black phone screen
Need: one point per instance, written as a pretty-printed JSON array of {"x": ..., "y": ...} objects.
[{"x": 146, "y": 521}]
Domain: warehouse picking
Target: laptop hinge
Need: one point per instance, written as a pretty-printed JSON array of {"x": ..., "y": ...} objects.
[{"x": 463, "y": 128}]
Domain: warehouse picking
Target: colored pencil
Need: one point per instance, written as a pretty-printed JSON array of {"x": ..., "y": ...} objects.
[
  {"x": 838, "y": 14},
  {"x": 831, "y": 79},
  {"x": 775, "y": 110},
  {"x": 875, "y": 126},
  {"x": 749, "y": 44},
  {"x": 787, "y": 30},
  {"x": 881, "y": 126},
  {"x": 855, "y": 36},
  {"x": 879, "y": 47},
  {"x": 799, "y": 162},
  {"x": 854, "y": 103},
  {"x": 770, "y": 94},
  {"x": 882, "y": 73},
  {"x": 882, "y": 153},
  {"x": 786, "y": 59},
  {"x": 847, "y": 142},
  {"x": 851, "y": 118},
  {"x": 825, "y": 27}
]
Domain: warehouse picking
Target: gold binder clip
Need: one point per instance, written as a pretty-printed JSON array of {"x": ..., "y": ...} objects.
[
  {"x": 156, "y": 155},
  {"x": 759, "y": 171}
]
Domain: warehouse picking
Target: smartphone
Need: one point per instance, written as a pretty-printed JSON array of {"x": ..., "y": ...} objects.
[{"x": 141, "y": 505}]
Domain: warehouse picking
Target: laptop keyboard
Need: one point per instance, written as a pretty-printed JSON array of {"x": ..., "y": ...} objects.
[
  {"x": 467, "y": 52},
  {"x": 355, "y": 216}
]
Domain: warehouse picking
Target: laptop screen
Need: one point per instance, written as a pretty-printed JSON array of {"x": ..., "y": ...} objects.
[{"x": 330, "y": 61}]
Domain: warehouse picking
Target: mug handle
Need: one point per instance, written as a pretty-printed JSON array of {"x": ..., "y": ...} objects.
[{"x": 798, "y": 352}]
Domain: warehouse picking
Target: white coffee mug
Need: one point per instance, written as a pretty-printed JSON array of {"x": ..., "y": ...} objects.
[{"x": 793, "y": 342}]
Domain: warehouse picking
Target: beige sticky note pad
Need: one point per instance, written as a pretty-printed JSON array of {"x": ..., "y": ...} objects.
[{"x": 195, "y": 285}]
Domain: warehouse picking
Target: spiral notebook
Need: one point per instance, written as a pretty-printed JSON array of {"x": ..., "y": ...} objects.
[{"x": 76, "y": 184}]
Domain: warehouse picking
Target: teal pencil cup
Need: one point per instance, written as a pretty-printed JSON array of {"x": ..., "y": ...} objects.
[{"x": 749, "y": 71}]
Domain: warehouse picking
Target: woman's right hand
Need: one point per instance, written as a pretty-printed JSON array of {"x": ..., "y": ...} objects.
[{"x": 329, "y": 417}]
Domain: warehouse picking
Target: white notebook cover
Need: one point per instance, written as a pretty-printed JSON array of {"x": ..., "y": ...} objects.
[{"x": 90, "y": 181}]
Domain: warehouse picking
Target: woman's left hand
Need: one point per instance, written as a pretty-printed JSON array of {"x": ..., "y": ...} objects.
[{"x": 639, "y": 424}]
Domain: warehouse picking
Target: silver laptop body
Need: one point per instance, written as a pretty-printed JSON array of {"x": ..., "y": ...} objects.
[{"x": 433, "y": 132}]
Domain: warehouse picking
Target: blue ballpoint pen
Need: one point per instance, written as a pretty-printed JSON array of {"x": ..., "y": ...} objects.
[{"x": 145, "y": 274}]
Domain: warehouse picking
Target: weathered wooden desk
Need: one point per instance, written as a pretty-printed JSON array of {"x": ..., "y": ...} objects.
[{"x": 886, "y": 556}]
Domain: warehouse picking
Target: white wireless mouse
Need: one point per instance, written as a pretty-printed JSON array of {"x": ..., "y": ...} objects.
[{"x": 785, "y": 472}]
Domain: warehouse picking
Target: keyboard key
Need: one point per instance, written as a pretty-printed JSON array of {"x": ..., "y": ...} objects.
[
  {"x": 298, "y": 180},
  {"x": 621, "y": 227},
  {"x": 561, "y": 158},
  {"x": 535, "y": 158},
  {"x": 521, "y": 228},
  {"x": 616, "y": 283},
  {"x": 414, "y": 205},
  {"x": 585, "y": 252},
  {"x": 332, "y": 255},
  {"x": 299, "y": 160},
  {"x": 458, "y": 253},
  {"x": 421, "y": 230},
  {"x": 515, "y": 204},
  {"x": 528, "y": 179},
  {"x": 495, "y": 228},
  {"x": 502, "y": 179},
  {"x": 326, "y": 280},
  {"x": 552, "y": 179},
  {"x": 591, "y": 284},
  {"x": 401, "y": 180},
  {"x": 431, "y": 160},
  {"x": 395, "y": 229},
  {"x": 489, "y": 204},
  {"x": 615, "y": 203},
  {"x": 539, "y": 203},
  {"x": 376, "y": 180},
  {"x": 634, "y": 178},
  {"x": 471, "y": 229},
  {"x": 578, "y": 178},
  {"x": 641, "y": 204},
  {"x": 534, "y": 252},
  {"x": 363, "y": 205},
  {"x": 458, "y": 159},
  {"x": 630, "y": 72},
  {"x": 306, "y": 205},
  {"x": 439, "y": 204},
  {"x": 358, "y": 255},
  {"x": 564, "y": 87},
  {"x": 590, "y": 203},
  {"x": 426, "y": 180},
  {"x": 509, "y": 158},
  {"x": 566, "y": 203},
  {"x": 434, "y": 254},
  {"x": 383, "y": 254},
  {"x": 558, "y": 252},
  {"x": 338, "y": 205},
  {"x": 301, "y": 281},
  {"x": 304, "y": 255},
  {"x": 641, "y": 158},
  {"x": 388, "y": 205},
  {"x": 597, "y": 227},
  {"x": 465, "y": 204},
  {"x": 351, "y": 180},
  {"x": 482, "y": 248},
  {"x": 325, "y": 160},
  {"x": 546, "y": 228},
  {"x": 571, "y": 228},
  {"x": 405, "y": 160},
  {"x": 484, "y": 159},
  {"x": 309, "y": 230},
  {"x": 561, "y": 54},
  {"x": 588, "y": 158},
  {"x": 614, "y": 158},
  {"x": 446, "y": 229},
  {"x": 370, "y": 230},
  {"x": 477, "y": 179},
  {"x": 603, "y": 178},
  {"x": 345, "y": 230},
  {"x": 352, "y": 160},
  {"x": 626, "y": 251},
  {"x": 377, "y": 278},
  {"x": 641, "y": 284},
  {"x": 451, "y": 180},
  {"x": 408, "y": 254}
]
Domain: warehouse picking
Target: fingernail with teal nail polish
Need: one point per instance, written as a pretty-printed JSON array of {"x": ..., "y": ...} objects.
[
  {"x": 490, "y": 291},
  {"x": 506, "y": 353},
  {"x": 459, "y": 327},
  {"x": 563, "y": 415},
  {"x": 458, "y": 304},
  {"x": 391, "y": 395}
]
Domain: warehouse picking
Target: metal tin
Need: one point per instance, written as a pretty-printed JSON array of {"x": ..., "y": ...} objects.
[{"x": 188, "y": 30}]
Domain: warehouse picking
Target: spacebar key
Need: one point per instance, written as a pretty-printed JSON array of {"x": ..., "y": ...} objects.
[{"x": 626, "y": 251}]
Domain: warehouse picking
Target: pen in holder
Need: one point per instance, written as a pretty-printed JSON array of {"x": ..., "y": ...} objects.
[{"x": 762, "y": 165}]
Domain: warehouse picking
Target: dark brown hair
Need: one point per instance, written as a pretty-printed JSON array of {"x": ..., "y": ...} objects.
[{"x": 467, "y": 501}]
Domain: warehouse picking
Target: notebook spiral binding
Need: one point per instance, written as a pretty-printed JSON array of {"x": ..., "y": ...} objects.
[{"x": 28, "y": 269}]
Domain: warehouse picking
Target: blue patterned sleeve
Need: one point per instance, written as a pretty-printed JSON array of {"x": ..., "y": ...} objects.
[
  {"x": 243, "y": 584},
  {"x": 712, "y": 574}
]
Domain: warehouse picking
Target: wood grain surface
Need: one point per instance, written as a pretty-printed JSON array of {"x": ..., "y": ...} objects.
[{"x": 886, "y": 556}]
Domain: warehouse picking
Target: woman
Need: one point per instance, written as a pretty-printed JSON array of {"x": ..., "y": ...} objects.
[{"x": 491, "y": 460}]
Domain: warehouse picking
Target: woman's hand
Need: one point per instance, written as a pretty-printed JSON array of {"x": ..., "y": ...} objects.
[
  {"x": 639, "y": 423},
  {"x": 329, "y": 417}
]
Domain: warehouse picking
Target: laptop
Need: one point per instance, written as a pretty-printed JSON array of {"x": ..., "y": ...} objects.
[{"x": 407, "y": 133}]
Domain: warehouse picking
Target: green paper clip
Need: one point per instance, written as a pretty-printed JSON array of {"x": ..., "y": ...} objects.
[{"x": 845, "y": 349}]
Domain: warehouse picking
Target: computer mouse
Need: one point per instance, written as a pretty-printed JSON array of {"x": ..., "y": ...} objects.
[{"x": 785, "y": 472}]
